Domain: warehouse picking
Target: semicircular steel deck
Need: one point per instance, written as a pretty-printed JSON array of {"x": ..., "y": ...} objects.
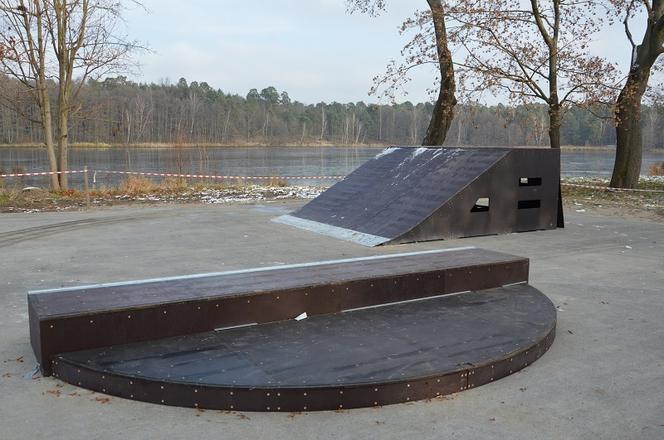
[{"x": 366, "y": 357}]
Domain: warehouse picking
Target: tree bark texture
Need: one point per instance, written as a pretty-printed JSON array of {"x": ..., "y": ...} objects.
[
  {"x": 443, "y": 110},
  {"x": 629, "y": 145}
]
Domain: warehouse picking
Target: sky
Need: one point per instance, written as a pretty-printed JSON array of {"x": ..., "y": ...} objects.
[{"x": 312, "y": 49}]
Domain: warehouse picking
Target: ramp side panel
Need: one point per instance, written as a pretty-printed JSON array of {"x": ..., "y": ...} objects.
[
  {"x": 500, "y": 185},
  {"x": 392, "y": 193}
]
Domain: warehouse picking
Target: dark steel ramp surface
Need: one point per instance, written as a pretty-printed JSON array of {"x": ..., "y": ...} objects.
[
  {"x": 365, "y": 357},
  {"x": 392, "y": 193},
  {"x": 409, "y": 194}
]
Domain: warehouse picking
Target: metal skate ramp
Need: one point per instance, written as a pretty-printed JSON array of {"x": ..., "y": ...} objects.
[{"x": 409, "y": 194}]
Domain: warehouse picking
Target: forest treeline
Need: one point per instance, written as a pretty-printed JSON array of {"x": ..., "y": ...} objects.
[{"x": 119, "y": 111}]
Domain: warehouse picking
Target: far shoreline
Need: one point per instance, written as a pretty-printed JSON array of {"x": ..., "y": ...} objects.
[{"x": 163, "y": 145}]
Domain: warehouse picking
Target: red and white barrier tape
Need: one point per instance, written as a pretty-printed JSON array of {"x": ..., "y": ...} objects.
[
  {"x": 189, "y": 176},
  {"x": 209, "y": 176},
  {"x": 43, "y": 173},
  {"x": 608, "y": 188}
]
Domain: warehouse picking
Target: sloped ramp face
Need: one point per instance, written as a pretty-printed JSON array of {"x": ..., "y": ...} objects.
[{"x": 408, "y": 194}]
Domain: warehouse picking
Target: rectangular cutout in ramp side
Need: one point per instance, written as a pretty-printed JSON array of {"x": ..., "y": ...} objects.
[
  {"x": 529, "y": 204},
  {"x": 332, "y": 231},
  {"x": 481, "y": 205},
  {"x": 530, "y": 181}
]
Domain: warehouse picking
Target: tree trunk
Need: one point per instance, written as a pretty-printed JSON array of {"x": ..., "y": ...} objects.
[
  {"x": 443, "y": 110},
  {"x": 47, "y": 124},
  {"x": 554, "y": 140},
  {"x": 627, "y": 166},
  {"x": 63, "y": 146}
]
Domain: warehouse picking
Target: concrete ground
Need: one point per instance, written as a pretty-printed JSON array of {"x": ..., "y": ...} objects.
[{"x": 602, "y": 378}]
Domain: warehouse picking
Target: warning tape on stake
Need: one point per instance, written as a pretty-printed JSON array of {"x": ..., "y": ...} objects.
[
  {"x": 608, "y": 188},
  {"x": 44, "y": 173},
  {"x": 210, "y": 176},
  {"x": 189, "y": 176}
]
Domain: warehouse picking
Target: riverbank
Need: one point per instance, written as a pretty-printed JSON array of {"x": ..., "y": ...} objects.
[
  {"x": 140, "y": 190},
  {"x": 579, "y": 194},
  {"x": 307, "y": 144}
]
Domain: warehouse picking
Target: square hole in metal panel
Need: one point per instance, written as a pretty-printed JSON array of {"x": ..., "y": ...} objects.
[{"x": 481, "y": 205}]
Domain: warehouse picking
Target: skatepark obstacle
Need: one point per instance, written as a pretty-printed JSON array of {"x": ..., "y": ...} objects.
[
  {"x": 378, "y": 330},
  {"x": 410, "y": 194}
]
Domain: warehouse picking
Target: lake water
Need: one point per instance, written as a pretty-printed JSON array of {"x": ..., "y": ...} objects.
[{"x": 251, "y": 161}]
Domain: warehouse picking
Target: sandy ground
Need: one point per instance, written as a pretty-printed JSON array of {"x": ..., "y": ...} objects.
[{"x": 602, "y": 378}]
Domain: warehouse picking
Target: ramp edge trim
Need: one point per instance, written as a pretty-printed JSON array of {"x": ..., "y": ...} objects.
[
  {"x": 251, "y": 270},
  {"x": 332, "y": 231}
]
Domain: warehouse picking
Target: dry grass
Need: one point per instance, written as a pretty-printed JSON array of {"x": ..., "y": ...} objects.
[
  {"x": 136, "y": 185},
  {"x": 656, "y": 169}
]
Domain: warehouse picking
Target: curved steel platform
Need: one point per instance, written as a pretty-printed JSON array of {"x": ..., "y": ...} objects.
[{"x": 357, "y": 358}]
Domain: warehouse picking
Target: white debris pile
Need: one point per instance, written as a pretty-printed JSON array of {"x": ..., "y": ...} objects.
[
  {"x": 257, "y": 193},
  {"x": 602, "y": 181}
]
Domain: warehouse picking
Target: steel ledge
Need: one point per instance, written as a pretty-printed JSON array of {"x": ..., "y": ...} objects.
[{"x": 367, "y": 357}]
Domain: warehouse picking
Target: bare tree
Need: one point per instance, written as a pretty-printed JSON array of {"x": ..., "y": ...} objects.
[
  {"x": 629, "y": 145},
  {"x": 70, "y": 41},
  {"x": 534, "y": 52},
  {"x": 429, "y": 44},
  {"x": 24, "y": 46}
]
